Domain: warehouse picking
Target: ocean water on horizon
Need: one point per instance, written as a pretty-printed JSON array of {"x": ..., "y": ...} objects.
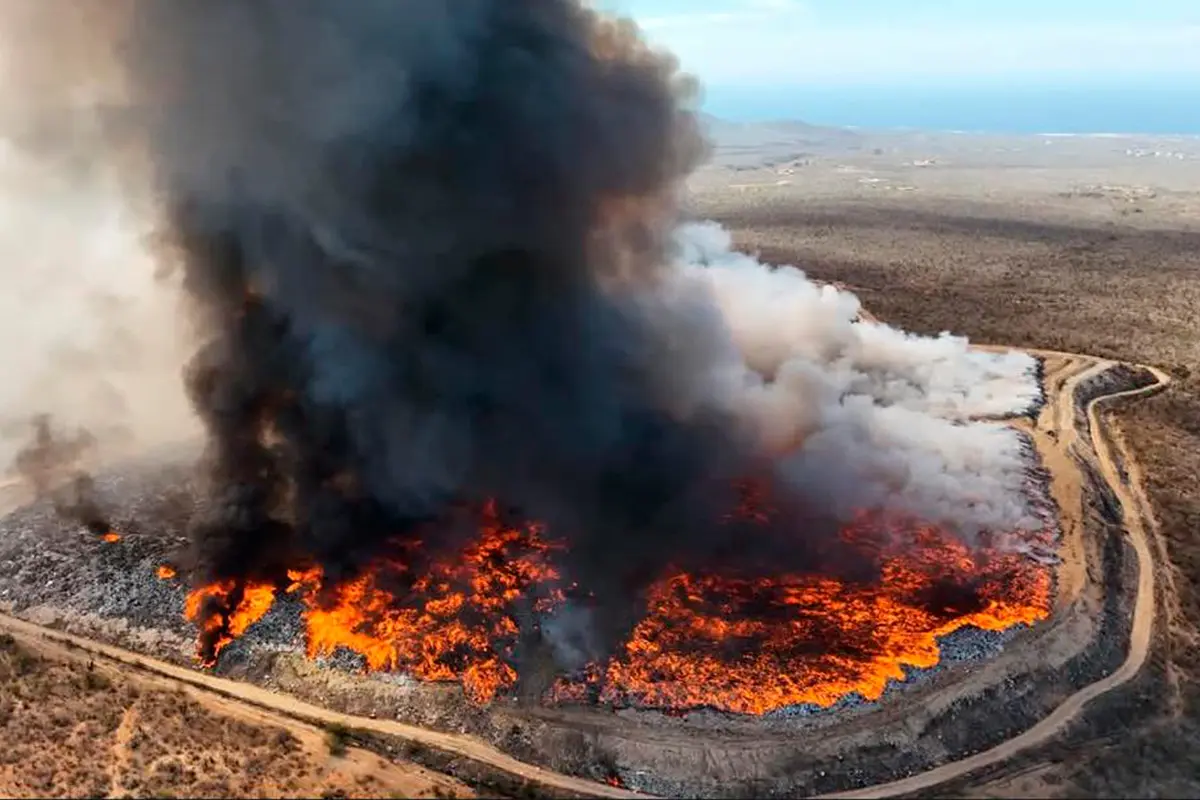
[{"x": 1142, "y": 108}]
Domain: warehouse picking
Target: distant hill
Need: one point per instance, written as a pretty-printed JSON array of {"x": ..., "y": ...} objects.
[{"x": 763, "y": 143}]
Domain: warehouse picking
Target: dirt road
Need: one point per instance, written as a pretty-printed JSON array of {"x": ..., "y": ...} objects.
[
  {"x": 1135, "y": 517},
  {"x": 467, "y": 746}
]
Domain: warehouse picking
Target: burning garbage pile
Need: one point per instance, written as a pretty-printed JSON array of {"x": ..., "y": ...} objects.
[
  {"x": 745, "y": 646},
  {"x": 475, "y": 391}
]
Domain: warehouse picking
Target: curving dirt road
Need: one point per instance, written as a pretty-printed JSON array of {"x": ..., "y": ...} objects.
[{"x": 1135, "y": 515}]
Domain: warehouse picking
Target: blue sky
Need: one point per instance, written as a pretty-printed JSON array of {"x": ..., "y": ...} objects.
[{"x": 765, "y": 43}]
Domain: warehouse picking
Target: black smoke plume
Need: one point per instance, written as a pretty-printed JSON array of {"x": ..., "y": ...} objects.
[{"x": 423, "y": 238}]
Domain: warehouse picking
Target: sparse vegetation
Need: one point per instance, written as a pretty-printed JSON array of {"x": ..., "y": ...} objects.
[
  {"x": 337, "y": 738},
  {"x": 1038, "y": 272},
  {"x": 145, "y": 739},
  {"x": 95, "y": 681}
]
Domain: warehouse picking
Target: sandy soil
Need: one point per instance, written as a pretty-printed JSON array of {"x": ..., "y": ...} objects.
[
  {"x": 144, "y": 736},
  {"x": 292, "y": 714}
]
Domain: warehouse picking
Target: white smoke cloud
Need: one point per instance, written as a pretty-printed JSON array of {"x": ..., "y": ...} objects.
[
  {"x": 864, "y": 414},
  {"x": 89, "y": 334}
]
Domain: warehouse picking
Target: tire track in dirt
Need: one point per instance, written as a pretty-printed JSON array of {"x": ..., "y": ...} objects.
[{"x": 1135, "y": 513}]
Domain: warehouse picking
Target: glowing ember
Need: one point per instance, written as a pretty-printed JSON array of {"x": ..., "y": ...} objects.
[
  {"x": 165, "y": 572},
  {"x": 732, "y": 644},
  {"x": 111, "y": 537}
]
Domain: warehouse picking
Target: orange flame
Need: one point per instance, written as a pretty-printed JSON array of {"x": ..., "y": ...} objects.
[
  {"x": 457, "y": 623},
  {"x": 111, "y": 537},
  {"x": 165, "y": 572},
  {"x": 745, "y": 646},
  {"x": 221, "y": 627},
  {"x": 753, "y": 647}
]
